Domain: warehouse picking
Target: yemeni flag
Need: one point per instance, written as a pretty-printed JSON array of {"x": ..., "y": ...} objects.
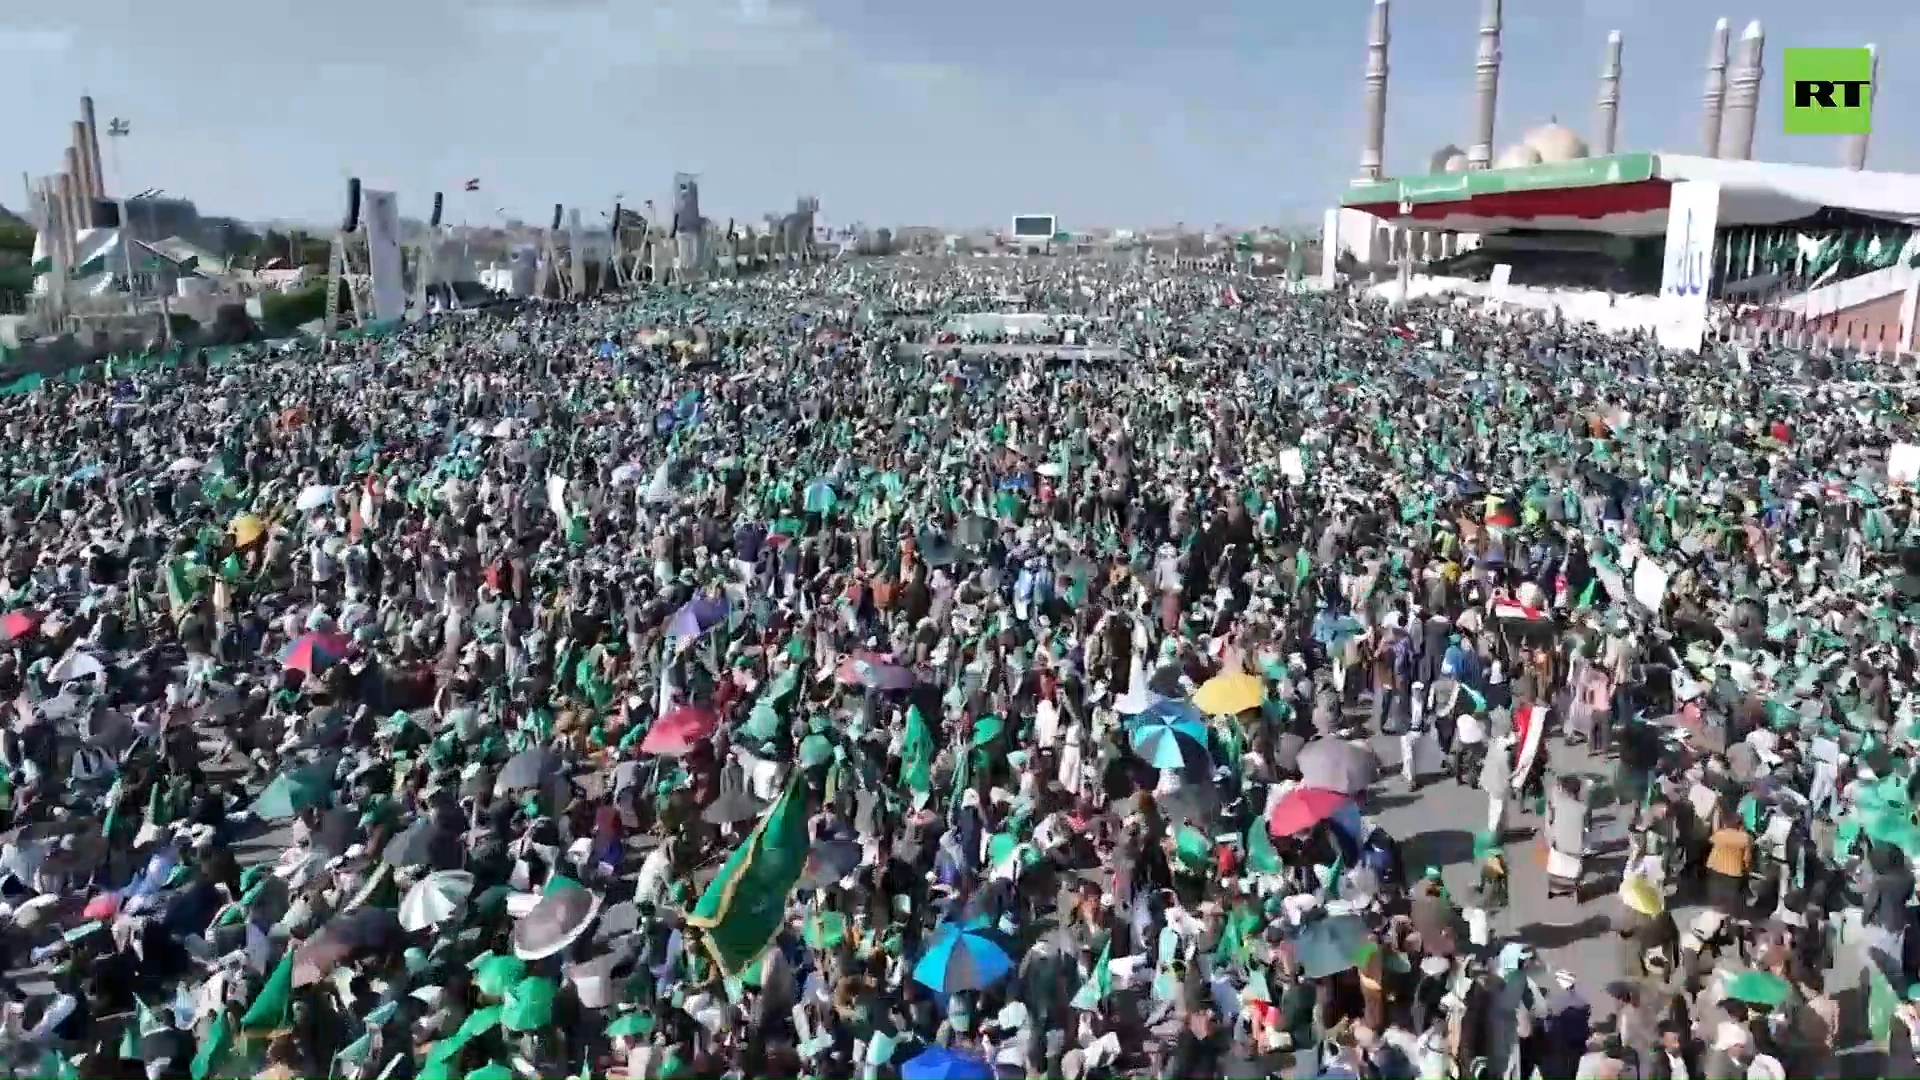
[
  {"x": 746, "y": 903},
  {"x": 1509, "y": 609},
  {"x": 1529, "y": 724},
  {"x": 1523, "y": 623},
  {"x": 473, "y": 184}
]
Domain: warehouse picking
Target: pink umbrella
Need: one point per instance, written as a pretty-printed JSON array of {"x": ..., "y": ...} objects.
[
  {"x": 15, "y": 625},
  {"x": 314, "y": 651},
  {"x": 679, "y": 731}
]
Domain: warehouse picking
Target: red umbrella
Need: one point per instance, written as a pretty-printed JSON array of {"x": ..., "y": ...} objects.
[
  {"x": 104, "y": 906},
  {"x": 677, "y": 732},
  {"x": 314, "y": 651},
  {"x": 1303, "y": 808},
  {"x": 849, "y": 671},
  {"x": 15, "y": 625}
]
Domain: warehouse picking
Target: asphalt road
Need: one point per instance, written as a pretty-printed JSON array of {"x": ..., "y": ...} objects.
[{"x": 1436, "y": 828}]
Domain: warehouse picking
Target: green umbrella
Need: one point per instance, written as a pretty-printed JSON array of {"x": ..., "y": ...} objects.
[
  {"x": 637, "y": 1025},
  {"x": 529, "y": 1004},
  {"x": 815, "y": 751},
  {"x": 477, "y": 1023},
  {"x": 492, "y": 1070},
  {"x": 495, "y": 974},
  {"x": 292, "y": 792},
  {"x": 1759, "y": 988}
]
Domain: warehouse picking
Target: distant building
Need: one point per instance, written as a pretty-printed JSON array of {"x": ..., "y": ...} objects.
[{"x": 157, "y": 218}]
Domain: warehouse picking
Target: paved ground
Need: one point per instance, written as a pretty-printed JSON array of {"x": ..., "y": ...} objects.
[{"x": 1436, "y": 828}]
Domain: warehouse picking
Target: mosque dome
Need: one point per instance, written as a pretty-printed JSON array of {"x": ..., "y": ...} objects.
[
  {"x": 1443, "y": 160},
  {"x": 1555, "y": 143},
  {"x": 1518, "y": 156}
]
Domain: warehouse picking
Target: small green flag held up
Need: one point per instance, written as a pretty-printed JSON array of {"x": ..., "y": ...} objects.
[
  {"x": 1099, "y": 981},
  {"x": 271, "y": 1005}
]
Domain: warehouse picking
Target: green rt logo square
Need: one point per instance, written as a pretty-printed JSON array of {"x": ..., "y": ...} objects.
[{"x": 1829, "y": 91}]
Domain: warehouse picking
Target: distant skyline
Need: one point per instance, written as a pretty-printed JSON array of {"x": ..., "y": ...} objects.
[{"x": 1120, "y": 113}]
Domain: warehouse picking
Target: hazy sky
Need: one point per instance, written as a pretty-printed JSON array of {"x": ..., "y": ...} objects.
[{"x": 1119, "y": 112}]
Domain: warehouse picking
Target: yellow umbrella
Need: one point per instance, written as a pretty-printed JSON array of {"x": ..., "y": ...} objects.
[
  {"x": 1229, "y": 692},
  {"x": 246, "y": 529},
  {"x": 1639, "y": 895}
]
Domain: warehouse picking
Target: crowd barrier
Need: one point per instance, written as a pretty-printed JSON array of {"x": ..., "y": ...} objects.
[{"x": 1824, "y": 333}]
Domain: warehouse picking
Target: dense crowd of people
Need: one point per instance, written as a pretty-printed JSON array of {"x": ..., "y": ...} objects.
[{"x": 754, "y": 680}]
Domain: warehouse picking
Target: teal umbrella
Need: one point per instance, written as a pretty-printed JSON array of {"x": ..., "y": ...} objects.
[
  {"x": 292, "y": 792},
  {"x": 1759, "y": 988},
  {"x": 495, "y": 975}
]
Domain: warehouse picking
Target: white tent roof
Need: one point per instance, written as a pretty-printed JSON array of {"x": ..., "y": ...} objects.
[{"x": 1766, "y": 193}]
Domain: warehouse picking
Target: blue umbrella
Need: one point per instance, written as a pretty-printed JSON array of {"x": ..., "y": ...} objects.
[
  {"x": 698, "y": 615},
  {"x": 962, "y": 958},
  {"x": 1172, "y": 744},
  {"x": 939, "y": 1063}
]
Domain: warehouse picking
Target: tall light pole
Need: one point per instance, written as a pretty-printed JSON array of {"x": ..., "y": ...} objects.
[{"x": 117, "y": 129}]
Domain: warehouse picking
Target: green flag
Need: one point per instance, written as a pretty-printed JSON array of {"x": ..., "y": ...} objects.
[
  {"x": 1586, "y": 595},
  {"x": 179, "y": 586},
  {"x": 1099, "y": 981},
  {"x": 114, "y": 795},
  {"x": 271, "y": 1005},
  {"x": 746, "y": 902},
  {"x": 916, "y": 754},
  {"x": 213, "y": 1049}
]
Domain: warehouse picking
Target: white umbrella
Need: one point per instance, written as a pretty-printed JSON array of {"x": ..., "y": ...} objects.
[
  {"x": 75, "y": 666},
  {"x": 185, "y": 465},
  {"x": 661, "y": 488},
  {"x": 438, "y": 897},
  {"x": 313, "y": 497}
]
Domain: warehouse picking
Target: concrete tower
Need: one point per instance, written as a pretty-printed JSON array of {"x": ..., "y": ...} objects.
[
  {"x": 88, "y": 183},
  {"x": 687, "y": 224},
  {"x": 1715, "y": 99},
  {"x": 73, "y": 195},
  {"x": 1608, "y": 128},
  {"x": 1374, "y": 99},
  {"x": 92, "y": 148},
  {"x": 1486, "y": 85},
  {"x": 1743, "y": 92},
  {"x": 1857, "y": 144}
]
